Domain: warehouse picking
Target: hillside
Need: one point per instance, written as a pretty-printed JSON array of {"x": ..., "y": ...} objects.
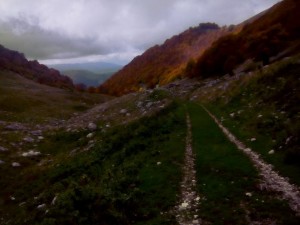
[
  {"x": 163, "y": 63},
  {"x": 272, "y": 36},
  {"x": 16, "y": 62},
  {"x": 264, "y": 104},
  {"x": 208, "y": 50},
  {"x": 24, "y": 100}
]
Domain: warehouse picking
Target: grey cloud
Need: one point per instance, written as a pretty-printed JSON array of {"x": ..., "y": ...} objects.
[
  {"x": 49, "y": 29},
  {"x": 38, "y": 43}
]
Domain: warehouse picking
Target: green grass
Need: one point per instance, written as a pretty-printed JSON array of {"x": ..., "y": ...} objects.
[
  {"x": 23, "y": 100},
  {"x": 225, "y": 175},
  {"x": 117, "y": 182},
  {"x": 158, "y": 94},
  {"x": 267, "y": 108}
]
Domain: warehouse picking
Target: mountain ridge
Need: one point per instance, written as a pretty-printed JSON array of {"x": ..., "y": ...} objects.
[
  {"x": 260, "y": 37},
  {"x": 161, "y": 64},
  {"x": 273, "y": 35},
  {"x": 14, "y": 61}
]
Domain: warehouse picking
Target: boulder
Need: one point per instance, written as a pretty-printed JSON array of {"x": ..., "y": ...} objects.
[
  {"x": 28, "y": 139},
  {"x": 123, "y": 111},
  {"x": 14, "y": 127},
  {"x": 271, "y": 152},
  {"x": 90, "y": 135},
  {"x": 42, "y": 206},
  {"x": 183, "y": 205},
  {"x": 92, "y": 126},
  {"x": 2, "y": 149},
  {"x": 54, "y": 200},
  {"x": 16, "y": 164},
  {"x": 139, "y": 104},
  {"x": 31, "y": 153},
  {"x": 248, "y": 194},
  {"x": 149, "y": 104},
  {"x": 22, "y": 204},
  {"x": 36, "y": 133}
]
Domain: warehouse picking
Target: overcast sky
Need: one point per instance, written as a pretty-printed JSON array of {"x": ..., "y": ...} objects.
[{"x": 60, "y": 31}]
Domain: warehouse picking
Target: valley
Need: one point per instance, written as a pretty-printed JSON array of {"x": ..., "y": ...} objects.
[
  {"x": 89, "y": 74},
  {"x": 202, "y": 129}
]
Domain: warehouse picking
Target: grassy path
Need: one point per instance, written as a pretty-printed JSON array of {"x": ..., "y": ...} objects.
[
  {"x": 186, "y": 211},
  {"x": 271, "y": 180},
  {"x": 227, "y": 180}
]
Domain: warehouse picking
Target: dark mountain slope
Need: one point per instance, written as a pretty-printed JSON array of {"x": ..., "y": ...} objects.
[
  {"x": 268, "y": 36},
  {"x": 16, "y": 62},
  {"x": 275, "y": 34},
  {"x": 163, "y": 63}
]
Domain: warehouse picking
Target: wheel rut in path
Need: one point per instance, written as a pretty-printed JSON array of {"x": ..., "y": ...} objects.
[
  {"x": 271, "y": 180},
  {"x": 187, "y": 209}
]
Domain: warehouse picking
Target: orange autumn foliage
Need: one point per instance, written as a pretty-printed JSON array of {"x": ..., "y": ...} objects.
[
  {"x": 267, "y": 36},
  {"x": 163, "y": 63}
]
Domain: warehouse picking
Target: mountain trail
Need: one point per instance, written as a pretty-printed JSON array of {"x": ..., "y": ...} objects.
[
  {"x": 270, "y": 180},
  {"x": 187, "y": 209}
]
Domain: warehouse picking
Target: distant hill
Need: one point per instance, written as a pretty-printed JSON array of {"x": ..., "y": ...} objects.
[
  {"x": 164, "y": 63},
  {"x": 15, "y": 61},
  {"x": 95, "y": 67},
  {"x": 87, "y": 77},
  {"x": 89, "y": 74}
]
